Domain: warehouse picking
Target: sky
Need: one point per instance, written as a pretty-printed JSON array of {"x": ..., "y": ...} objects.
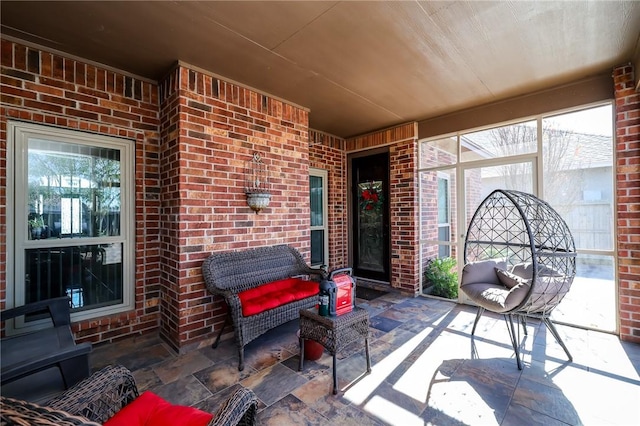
[{"x": 594, "y": 121}]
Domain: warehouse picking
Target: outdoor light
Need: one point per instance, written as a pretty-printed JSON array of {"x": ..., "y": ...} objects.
[{"x": 257, "y": 184}]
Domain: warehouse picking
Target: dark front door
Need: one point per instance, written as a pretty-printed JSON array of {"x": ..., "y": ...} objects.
[{"x": 369, "y": 190}]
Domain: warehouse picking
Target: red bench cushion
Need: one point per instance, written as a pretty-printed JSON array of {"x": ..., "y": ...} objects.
[
  {"x": 150, "y": 409},
  {"x": 276, "y": 293}
]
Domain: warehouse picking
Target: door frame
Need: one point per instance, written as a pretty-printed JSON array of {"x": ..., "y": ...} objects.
[{"x": 350, "y": 205}]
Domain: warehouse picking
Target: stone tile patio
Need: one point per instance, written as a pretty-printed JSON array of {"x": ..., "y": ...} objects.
[{"x": 426, "y": 369}]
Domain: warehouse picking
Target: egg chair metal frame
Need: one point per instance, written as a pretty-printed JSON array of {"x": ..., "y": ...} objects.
[{"x": 523, "y": 235}]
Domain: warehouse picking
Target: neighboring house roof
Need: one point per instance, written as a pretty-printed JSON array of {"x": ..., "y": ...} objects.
[{"x": 581, "y": 150}]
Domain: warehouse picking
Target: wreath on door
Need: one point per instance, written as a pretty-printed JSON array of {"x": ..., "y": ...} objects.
[{"x": 371, "y": 197}]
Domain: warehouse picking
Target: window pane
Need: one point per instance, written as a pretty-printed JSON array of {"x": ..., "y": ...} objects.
[
  {"x": 500, "y": 142},
  {"x": 437, "y": 205},
  {"x": 443, "y": 200},
  {"x": 441, "y": 152},
  {"x": 74, "y": 190},
  {"x": 316, "y": 197},
  {"x": 438, "y": 221},
  {"x": 592, "y": 299},
  {"x": 371, "y": 226},
  {"x": 444, "y": 271},
  {"x": 444, "y": 233},
  {"x": 91, "y": 275},
  {"x": 578, "y": 174},
  {"x": 71, "y": 216},
  {"x": 317, "y": 248}
]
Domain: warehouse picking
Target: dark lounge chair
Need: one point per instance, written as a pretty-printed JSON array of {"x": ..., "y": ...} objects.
[{"x": 24, "y": 355}]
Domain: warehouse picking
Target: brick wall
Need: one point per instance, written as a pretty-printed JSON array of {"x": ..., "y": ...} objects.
[
  {"x": 210, "y": 130},
  {"x": 191, "y": 145},
  {"x": 192, "y": 142},
  {"x": 403, "y": 200},
  {"x": 330, "y": 153},
  {"x": 49, "y": 89},
  {"x": 429, "y": 215},
  {"x": 326, "y": 152},
  {"x": 627, "y": 108}
]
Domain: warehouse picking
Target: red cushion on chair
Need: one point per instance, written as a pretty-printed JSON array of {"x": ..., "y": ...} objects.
[
  {"x": 259, "y": 304},
  {"x": 151, "y": 410},
  {"x": 274, "y": 294}
]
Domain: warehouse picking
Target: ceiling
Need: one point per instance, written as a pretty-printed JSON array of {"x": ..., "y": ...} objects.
[{"x": 358, "y": 66}]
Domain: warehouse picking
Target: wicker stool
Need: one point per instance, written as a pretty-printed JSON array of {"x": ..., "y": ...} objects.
[{"x": 334, "y": 333}]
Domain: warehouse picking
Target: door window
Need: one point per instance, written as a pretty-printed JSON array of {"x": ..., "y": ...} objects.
[{"x": 370, "y": 207}]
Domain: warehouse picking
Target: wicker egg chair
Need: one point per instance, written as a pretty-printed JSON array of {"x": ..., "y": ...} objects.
[{"x": 520, "y": 261}]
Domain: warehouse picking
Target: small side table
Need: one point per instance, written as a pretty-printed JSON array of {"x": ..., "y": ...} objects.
[{"x": 334, "y": 333}]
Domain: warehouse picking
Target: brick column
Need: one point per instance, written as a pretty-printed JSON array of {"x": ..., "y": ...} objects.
[
  {"x": 628, "y": 200},
  {"x": 327, "y": 152},
  {"x": 403, "y": 197},
  {"x": 209, "y": 129}
]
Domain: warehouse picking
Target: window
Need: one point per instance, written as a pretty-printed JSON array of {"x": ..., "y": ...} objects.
[
  {"x": 72, "y": 210},
  {"x": 577, "y": 150},
  {"x": 566, "y": 159},
  {"x": 499, "y": 142},
  {"x": 319, "y": 229},
  {"x": 438, "y": 203},
  {"x": 444, "y": 225}
]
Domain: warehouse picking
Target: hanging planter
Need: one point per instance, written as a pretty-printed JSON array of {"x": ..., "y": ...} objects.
[
  {"x": 258, "y": 200},
  {"x": 257, "y": 184}
]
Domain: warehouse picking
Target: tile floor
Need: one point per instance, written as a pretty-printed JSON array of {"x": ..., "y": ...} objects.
[{"x": 426, "y": 369}]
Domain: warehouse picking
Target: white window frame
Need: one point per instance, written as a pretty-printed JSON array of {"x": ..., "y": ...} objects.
[
  {"x": 17, "y": 135},
  {"x": 324, "y": 175}
]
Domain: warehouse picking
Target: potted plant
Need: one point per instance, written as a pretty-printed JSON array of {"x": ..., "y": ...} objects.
[
  {"x": 36, "y": 225},
  {"x": 441, "y": 278}
]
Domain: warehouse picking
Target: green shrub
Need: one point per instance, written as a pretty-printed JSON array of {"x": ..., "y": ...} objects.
[{"x": 443, "y": 276}]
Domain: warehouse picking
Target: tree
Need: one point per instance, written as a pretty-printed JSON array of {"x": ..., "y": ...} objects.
[
  {"x": 90, "y": 176},
  {"x": 562, "y": 163}
]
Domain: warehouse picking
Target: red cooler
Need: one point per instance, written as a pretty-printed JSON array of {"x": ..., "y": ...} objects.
[{"x": 340, "y": 288}]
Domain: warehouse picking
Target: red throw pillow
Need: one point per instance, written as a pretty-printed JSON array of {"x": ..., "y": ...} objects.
[{"x": 151, "y": 410}]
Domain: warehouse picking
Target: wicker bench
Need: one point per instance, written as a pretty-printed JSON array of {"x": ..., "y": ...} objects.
[{"x": 263, "y": 287}]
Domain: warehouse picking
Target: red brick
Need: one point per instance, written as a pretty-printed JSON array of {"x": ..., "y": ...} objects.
[
  {"x": 48, "y": 112},
  {"x": 207, "y": 166},
  {"x": 628, "y": 183}
]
